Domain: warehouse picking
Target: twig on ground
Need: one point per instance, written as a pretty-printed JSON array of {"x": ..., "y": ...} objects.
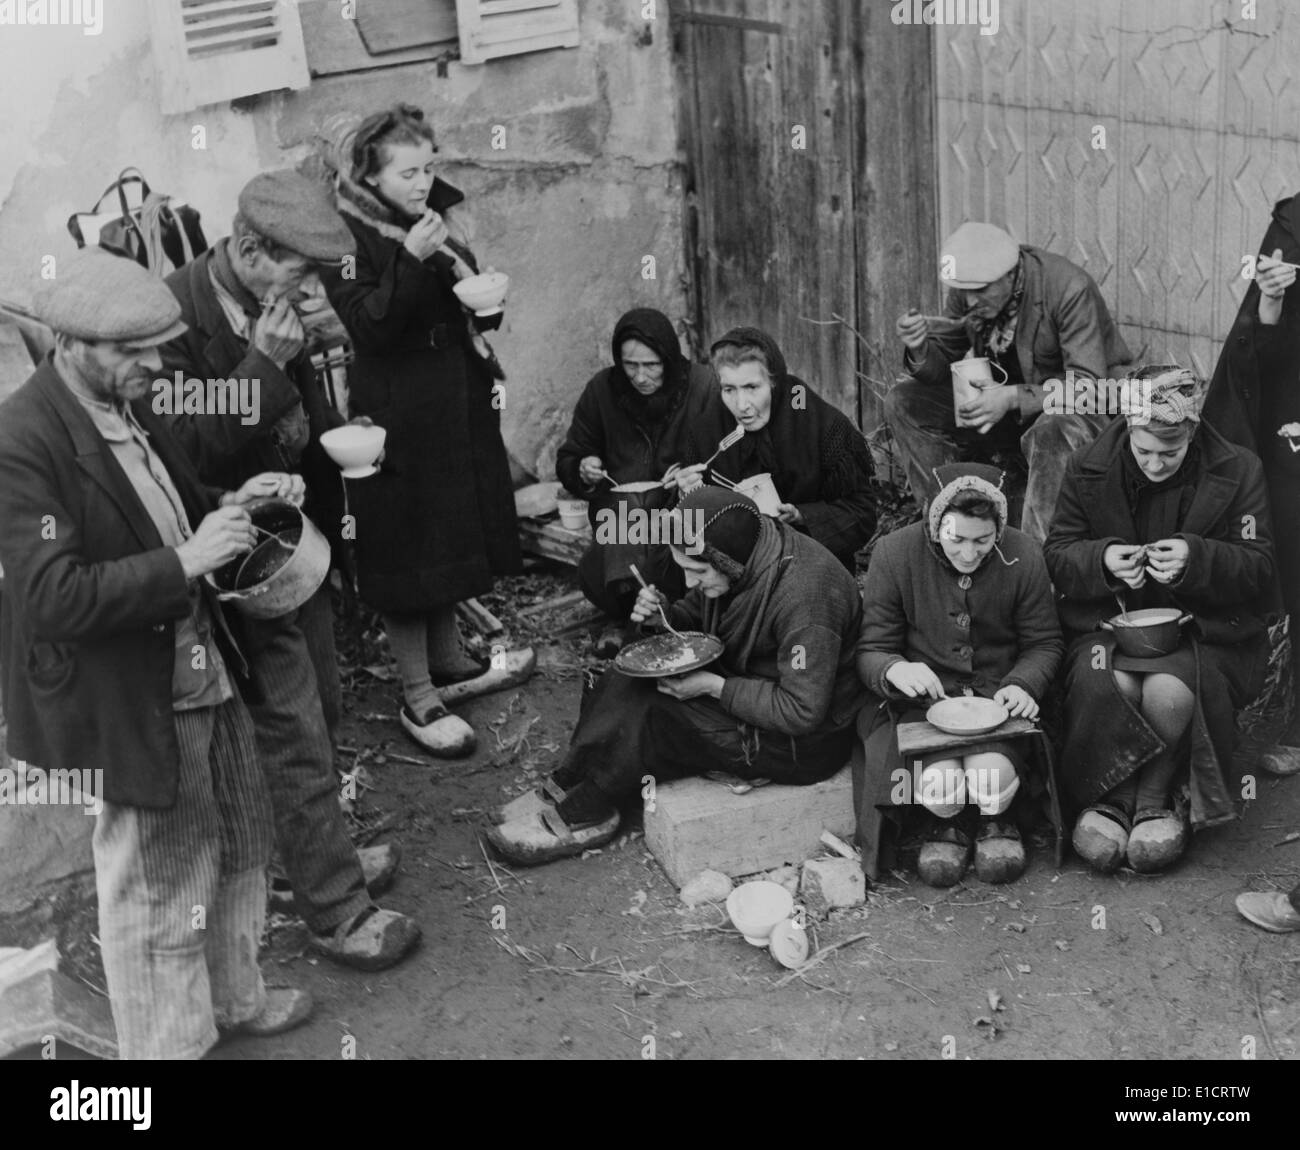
[
  {"x": 891, "y": 978},
  {"x": 1259, "y": 1013},
  {"x": 491, "y": 869}
]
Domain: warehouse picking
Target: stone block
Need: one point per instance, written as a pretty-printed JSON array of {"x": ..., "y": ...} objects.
[
  {"x": 50, "y": 1004},
  {"x": 699, "y": 825},
  {"x": 830, "y": 883}
]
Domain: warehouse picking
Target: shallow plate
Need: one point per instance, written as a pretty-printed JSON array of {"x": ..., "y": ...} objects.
[
  {"x": 663, "y": 655},
  {"x": 967, "y": 715},
  {"x": 537, "y": 500}
]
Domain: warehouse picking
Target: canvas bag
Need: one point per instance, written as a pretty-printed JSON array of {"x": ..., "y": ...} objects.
[{"x": 159, "y": 233}]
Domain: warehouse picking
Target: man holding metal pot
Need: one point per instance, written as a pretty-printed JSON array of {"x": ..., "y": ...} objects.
[
  {"x": 118, "y": 659},
  {"x": 238, "y": 300}
]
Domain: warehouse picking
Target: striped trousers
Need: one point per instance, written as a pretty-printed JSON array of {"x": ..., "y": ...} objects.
[{"x": 182, "y": 894}]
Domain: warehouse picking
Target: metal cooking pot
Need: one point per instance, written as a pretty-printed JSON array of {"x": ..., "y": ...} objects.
[
  {"x": 283, "y": 571},
  {"x": 1148, "y": 633}
]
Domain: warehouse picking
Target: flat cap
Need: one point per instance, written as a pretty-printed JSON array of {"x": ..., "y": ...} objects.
[
  {"x": 96, "y": 295},
  {"x": 297, "y": 213},
  {"x": 975, "y": 255}
]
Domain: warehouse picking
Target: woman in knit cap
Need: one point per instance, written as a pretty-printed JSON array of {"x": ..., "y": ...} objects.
[
  {"x": 1160, "y": 512},
  {"x": 631, "y": 424},
  {"x": 438, "y": 521},
  {"x": 818, "y": 460},
  {"x": 779, "y": 703},
  {"x": 959, "y": 604}
]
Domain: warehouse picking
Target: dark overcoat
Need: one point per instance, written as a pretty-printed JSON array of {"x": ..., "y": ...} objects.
[
  {"x": 438, "y": 520},
  {"x": 91, "y": 597},
  {"x": 1227, "y": 587}
]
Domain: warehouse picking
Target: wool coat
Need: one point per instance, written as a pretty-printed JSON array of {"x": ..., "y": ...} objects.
[
  {"x": 92, "y": 597},
  {"x": 1227, "y": 587},
  {"x": 438, "y": 521},
  {"x": 994, "y": 628}
]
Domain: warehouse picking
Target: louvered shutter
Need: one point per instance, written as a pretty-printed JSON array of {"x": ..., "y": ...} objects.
[
  {"x": 492, "y": 28},
  {"x": 212, "y": 51}
]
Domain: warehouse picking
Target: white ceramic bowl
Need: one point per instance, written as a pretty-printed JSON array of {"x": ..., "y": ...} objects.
[
  {"x": 355, "y": 448},
  {"x": 756, "y": 907},
  {"x": 483, "y": 293},
  {"x": 762, "y": 491}
]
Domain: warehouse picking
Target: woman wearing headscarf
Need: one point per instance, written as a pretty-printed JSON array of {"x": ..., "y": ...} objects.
[
  {"x": 1161, "y": 511},
  {"x": 630, "y": 423},
  {"x": 818, "y": 460},
  {"x": 437, "y": 523},
  {"x": 1254, "y": 400},
  {"x": 958, "y": 604},
  {"x": 778, "y": 704}
]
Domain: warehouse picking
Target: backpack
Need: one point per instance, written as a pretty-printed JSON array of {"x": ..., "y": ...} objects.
[{"x": 159, "y": 234}]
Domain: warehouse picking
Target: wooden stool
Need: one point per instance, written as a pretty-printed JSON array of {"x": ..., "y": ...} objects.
[{"x": 922, "y": 738}]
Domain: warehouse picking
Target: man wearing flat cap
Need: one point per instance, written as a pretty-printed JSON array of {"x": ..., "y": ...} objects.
[
  {"x": 1035, "y": 315},
  {"x": 117, "y": 658},
  {"x": 238, "y": 300}
]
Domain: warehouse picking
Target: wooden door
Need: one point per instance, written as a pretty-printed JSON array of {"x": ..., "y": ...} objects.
[{"x": 808, "y": 140}]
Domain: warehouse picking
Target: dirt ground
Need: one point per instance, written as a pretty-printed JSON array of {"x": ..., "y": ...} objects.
[{"x": 596, "y": 958}]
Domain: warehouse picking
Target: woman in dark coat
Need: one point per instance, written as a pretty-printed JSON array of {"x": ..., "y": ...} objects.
[
  {"x": 818, "y": 460},
  {"x": 1254, "y": 401},
  {"x": 959, "y": 604},
  {"x": 778, "y": 704},
  {"x": 1164, "y": 512},
  {"x": 437, "y": 522},
  {"x": 631, "y": 421}
]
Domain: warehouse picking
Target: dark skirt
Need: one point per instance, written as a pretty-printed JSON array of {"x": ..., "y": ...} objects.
[
  {"x": 1107, "y": 739},
  {"x": 628, "y": 729}
]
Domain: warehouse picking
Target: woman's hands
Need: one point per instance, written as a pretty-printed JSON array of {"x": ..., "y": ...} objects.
[
  {"x": 426, "y": 236},
  {"x": 1125, "y": 562},
  {"x": 1167, "y": 559},
  {"x": 1131, "y": 563},
  {"x": 686, "y": 478},
  {"x": 589, "y": 470},
  {"x": 1273, "y": 277},
  {"x": 1018, "y": 702},
  {"x": 647, "y": 604},
  {"x": 693, "y": 686},
  {"x": 915, "y": 679},
  {"x": 789, "y": 513}
]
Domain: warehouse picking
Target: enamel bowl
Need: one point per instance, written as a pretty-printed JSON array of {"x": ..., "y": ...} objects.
[
  {"x": 483, "y": 293},
  {"x": 756, "y": 907},
  {"x": 355, "y": 448}
]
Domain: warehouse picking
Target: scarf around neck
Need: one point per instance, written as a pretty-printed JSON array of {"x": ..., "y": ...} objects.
[{"x": 738, "y": 618}]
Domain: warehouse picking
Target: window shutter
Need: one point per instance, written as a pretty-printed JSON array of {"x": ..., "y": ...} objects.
[
  {"x": 212, "y": 51},
  {"x": 492, "y": 28}
]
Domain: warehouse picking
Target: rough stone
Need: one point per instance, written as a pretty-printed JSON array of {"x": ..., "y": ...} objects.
[
  {"x": 831, "y": 883},
  {"x": 707, "y": 886}
]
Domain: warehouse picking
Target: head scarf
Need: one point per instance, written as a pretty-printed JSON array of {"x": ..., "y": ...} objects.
[
  {"x": 729, "y": 522},
  {"x": 955, "y": 478},
  {"x": 1169, "y": 398},
  {"x": 655, "y": 330},
  {"x": 811, "y": 449}
]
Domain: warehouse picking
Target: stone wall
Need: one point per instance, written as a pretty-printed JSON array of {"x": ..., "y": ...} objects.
[{"x": 586, "y": 186}]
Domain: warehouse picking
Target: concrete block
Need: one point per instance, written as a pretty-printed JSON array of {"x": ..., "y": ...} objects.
[
  {"x": 52, "y": 1004},
  {"x": 829, "y": 883},
  {"x": 699, "y": 825}
]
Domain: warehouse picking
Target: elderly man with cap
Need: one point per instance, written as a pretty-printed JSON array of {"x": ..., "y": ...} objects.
[
  {"x": 117, "y": 659},
  {"x": 1039, "y": 318},
  {"x": 238, "y": 300}
]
